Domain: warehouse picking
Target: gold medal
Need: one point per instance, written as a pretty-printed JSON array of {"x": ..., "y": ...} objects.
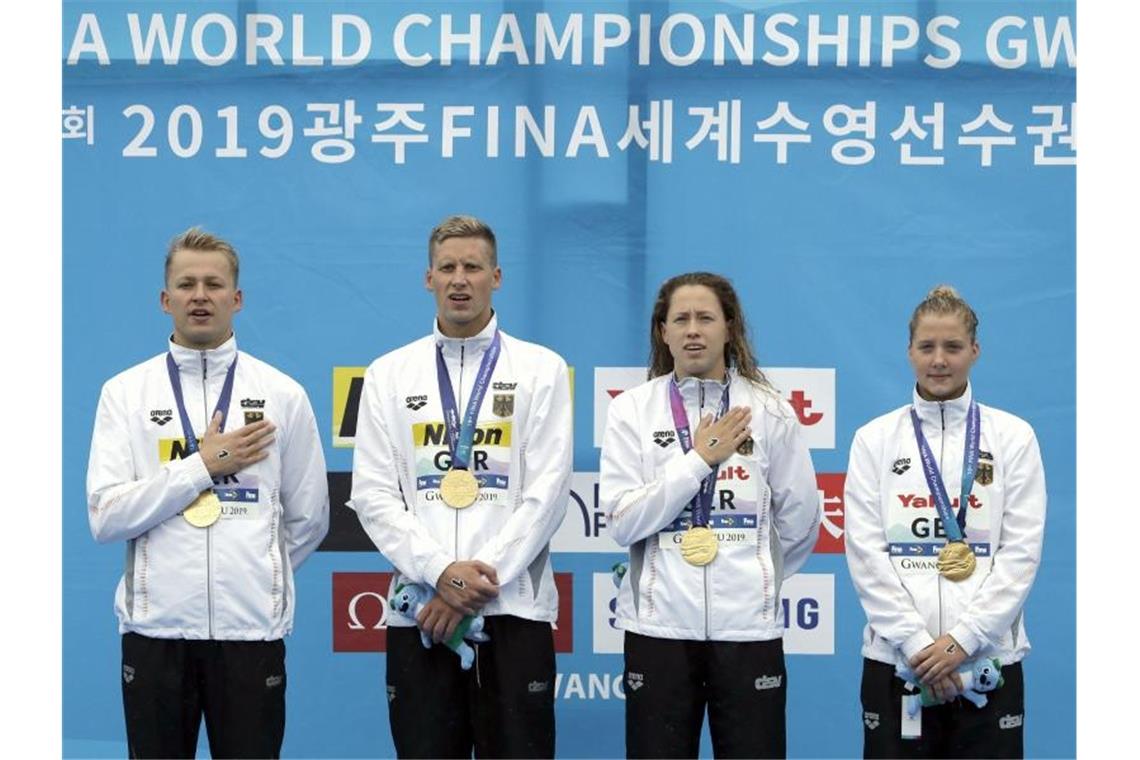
[
  {"x": 203, "y": 511},
  {"x": 459, "y": 489},
  {"x": 698, "y": 545},
  {"x": 956, "y": 561}
]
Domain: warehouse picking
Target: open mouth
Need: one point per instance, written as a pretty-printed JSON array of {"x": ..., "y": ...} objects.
[{"x": 694, "y": 347}]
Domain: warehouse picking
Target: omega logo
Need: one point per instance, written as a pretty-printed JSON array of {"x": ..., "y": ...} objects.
[{"x": 354, "y": 617}]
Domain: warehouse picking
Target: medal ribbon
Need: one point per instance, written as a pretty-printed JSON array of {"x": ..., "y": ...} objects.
[
  {"x": 955, "y": 527},
  {"x": 460, "y": 435},
  {"x": 701, "y": 503},
  {"x": 223, "y": 401}
]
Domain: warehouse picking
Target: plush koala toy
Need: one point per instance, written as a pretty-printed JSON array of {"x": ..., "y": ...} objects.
[
  {"x": 977, "y": 678},
  {"x": 409, "y": 598}
]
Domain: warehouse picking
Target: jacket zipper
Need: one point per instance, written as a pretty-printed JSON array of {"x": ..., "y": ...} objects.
[
  {"x": 941, "y": 469},
  {"x": 705, "y": 569},
  {"x": 209, "y": 528}
]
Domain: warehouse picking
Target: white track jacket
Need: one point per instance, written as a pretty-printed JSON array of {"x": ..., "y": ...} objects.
[
  {"x": 765, "y": 513},
  {"x": 234, "y": 579},
  {"x": 893, "y": 536},
  {"x": 522, "y": 455}
]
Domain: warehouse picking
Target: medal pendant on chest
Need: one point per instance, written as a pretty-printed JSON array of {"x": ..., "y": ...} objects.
[
  {"x": 698, "y": 546},
  {"x": 459, "y": 489},
  {"x": 956, "y": 561},
  {"x": 203, "y": 511}
]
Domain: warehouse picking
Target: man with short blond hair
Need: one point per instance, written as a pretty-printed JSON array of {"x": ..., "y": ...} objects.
[
  {"x": 460, "y": 477},
  {"x": 214, "y": 527}
]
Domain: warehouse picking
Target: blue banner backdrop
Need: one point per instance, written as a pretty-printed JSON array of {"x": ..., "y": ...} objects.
[{"x": 835, "y": 159}]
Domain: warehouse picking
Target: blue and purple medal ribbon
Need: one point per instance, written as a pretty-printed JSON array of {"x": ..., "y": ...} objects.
[
  {"x": 223, "y": 401},
  {"x": 702, "y": 503},
  {"x": 461, "y": 434},
  {"x": 955, "y": 526}
]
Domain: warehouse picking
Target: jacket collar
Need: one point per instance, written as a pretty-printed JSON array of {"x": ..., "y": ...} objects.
[
  {"x": 932, "y": 412},
  {"x": 479, "y": 341},
  {"x": 218, "y": 360},
  {"x": 694, "y": 390}
]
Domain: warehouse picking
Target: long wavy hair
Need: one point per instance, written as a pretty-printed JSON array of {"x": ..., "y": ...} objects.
[{"x": 738, "y": 352}]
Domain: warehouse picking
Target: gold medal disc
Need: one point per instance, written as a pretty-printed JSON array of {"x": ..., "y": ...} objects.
[
  {"x": 698, "y": 546},
  {"x": 956, "y": 561},
  {"x": 459, "y": 489},
  {"x": 203, "y": 511}
]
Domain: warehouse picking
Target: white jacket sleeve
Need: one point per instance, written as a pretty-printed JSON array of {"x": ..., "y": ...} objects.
[
  {"x": 634, "y": 508},
  {"x": 889, "y": 607},
  {"x": 120, "y": 505},
  {"x": 1001, "y": 595},
  {"x": 378, "y": 500},
  {"x": 795, "y": 495},
  {"x": 547, "y": 457},
  {"x": 304, "y": 483}
]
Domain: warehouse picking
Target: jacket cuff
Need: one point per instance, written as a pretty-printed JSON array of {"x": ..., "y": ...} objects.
[
  {"x": 915, "y": 644},
  {"x": 195, "y": 470},
  {"x": 698, "y": 467},
  {"x": 966, "y": 639},
  {"x": 434, "y": 569}
]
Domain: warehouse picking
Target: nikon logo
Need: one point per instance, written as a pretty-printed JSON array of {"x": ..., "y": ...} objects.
[
  {"x": 171, "y": 449},
  {"x": 435, "y": 434}
]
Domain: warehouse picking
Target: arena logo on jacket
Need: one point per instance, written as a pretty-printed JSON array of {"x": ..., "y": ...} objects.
[
  {"x": 238, "y": 492},
  {"x": 490, "y": 457},
  {"x": 809, "y": 391}
]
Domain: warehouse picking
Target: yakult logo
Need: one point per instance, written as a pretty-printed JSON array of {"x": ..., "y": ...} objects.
[{"x": 809, "y": 391}]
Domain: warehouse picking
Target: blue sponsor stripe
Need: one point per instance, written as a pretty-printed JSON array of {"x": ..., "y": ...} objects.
[
  {"x": 241, "y": 495},
  {"x": 717, "y": 521},
  {"x": 930, "y": 550}
]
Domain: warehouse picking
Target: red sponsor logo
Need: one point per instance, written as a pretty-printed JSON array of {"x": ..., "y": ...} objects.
[
  {"x": 802, "y": 404},
  {"x": 360, "y": 611},
  {"x": 830, "y": 486},
  {"x": 926, "y": 501},
  {"x": 615, "y": 392},
  {"x": 564, "y": 626},
  {"x": 733, "y": 472}
]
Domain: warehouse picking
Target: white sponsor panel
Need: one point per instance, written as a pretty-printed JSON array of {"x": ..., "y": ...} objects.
[
  {"x": 609, "y": 382},
  {"x": 583, "y": 529},
  {"x": 809, "y": 614},
  {"x": 608, "y": 638},
  {"x": 810, "y": 391}
]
